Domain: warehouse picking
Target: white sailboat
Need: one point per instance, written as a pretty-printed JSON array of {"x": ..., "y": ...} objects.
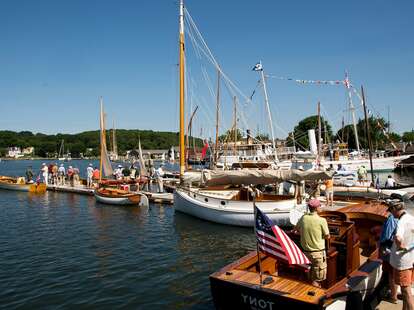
[
  {"x": 61, "y": 155},
  {"x": 223, "y": 198}
]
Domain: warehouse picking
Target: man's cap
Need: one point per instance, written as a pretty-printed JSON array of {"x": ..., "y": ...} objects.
[
  {"x": 314, "y": 203},
  {"x": 395, "y": 205}
]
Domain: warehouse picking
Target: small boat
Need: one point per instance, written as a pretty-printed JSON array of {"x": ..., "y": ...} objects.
[
  {"x": 16, "y": 184},
  {"x": 19, "y": 184},
  {"x": 115, "y": 196},
  {"x": 354, "y": 269}
]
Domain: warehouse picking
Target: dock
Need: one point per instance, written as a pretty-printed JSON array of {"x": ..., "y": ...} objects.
[{"x": 77, "y": 189}]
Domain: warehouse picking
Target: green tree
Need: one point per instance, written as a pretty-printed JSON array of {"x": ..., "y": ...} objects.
[
  {"x": 408, "y": 136},
  {"x": 230, "y": 134},
  {"x": 301, "y": 131}
]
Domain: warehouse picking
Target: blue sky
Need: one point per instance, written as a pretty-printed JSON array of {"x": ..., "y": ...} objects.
[{"x": 58, "y": 57}]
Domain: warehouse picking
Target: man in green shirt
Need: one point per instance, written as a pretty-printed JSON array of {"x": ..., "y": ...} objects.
[{"x": 313, "y": 231}]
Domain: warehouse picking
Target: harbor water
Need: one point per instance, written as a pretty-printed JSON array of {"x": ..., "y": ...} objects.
[{"x": 64, "y": 251}]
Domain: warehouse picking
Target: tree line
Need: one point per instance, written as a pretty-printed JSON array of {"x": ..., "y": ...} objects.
[
  {"x": 377, "y": 127},
  {"x": 87, "y": 143}
]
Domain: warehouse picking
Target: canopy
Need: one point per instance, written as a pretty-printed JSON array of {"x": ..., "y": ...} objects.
[{"x": 268, "y": 176}]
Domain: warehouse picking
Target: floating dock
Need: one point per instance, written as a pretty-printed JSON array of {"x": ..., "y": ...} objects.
[{"x": 77, "y": 189}]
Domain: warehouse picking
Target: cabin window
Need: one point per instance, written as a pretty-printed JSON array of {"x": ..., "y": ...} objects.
[
  {"x": 222, "y": 202},
  {"x": 195, "y": 195},
  {"x": 206, "y": 199}
]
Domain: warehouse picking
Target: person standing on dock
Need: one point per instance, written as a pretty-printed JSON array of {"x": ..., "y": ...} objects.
[
  {"x": 55, "y": 170},
  {"x": 61, "y": 175},
  {"x": 159, "y": 174},
  {"x": 89, "y": 175},
  {"x": 45, "y": 173},
  {"x": 362, "y": 174},
  {"x": 313, "y": 231},
  {"x": 402, "y": 253},
  {"x": 70, "y": 175},
  {"x": 96, "y": 175},
  {"x": 390, "y": 183}
]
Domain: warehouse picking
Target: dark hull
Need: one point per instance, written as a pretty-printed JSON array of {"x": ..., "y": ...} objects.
[{"x": 227, "y": 295}]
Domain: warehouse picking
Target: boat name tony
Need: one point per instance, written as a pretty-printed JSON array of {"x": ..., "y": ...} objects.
[{"x": 254, "y": 302}]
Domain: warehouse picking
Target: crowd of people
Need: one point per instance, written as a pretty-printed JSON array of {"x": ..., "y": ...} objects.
[{"x": 59, "y": 175}]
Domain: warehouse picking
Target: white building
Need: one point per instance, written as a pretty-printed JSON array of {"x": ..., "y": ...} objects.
[{"x": 14, "y": 152}]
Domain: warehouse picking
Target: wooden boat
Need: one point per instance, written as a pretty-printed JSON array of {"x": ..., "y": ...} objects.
[
  {"x": 220, "y": 201},
  {"x": 353, "y": 275},
  {"x": 19, "y": 184},
  {"x": 115, "y": 196}
]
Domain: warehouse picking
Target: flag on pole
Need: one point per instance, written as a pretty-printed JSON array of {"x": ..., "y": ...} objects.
[
  {"x": 258, "y": 67},
  {"x": 274, "y": 242}
]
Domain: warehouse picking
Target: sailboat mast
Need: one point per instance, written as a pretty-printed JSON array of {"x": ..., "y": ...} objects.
[
  {"x": 319, "y": 131},
  {"x": 217, "y": 116},
  {"x": 268, "y": 108},
  {"x": 114, "y": 145},
  {"x": 235, "y": 123},
  {"x": 101, "y": 135},
  {"x": 352, "y": 109},
  {"x": 181, "y": 50}
]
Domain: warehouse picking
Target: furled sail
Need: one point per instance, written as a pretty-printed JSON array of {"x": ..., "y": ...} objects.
[
  {"x": 105, "y": 162},
  {"x": 268, "y": 176}
]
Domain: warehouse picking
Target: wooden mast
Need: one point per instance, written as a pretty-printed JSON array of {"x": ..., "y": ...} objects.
[
  {"x": 181, "y": 52},
  {"x": 101, "y": 121},
  {"x": 368, "y": 134},
  {"x": 217, "y": 116}
]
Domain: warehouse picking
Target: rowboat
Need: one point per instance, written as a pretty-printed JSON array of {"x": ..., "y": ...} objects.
[
  {"x": 353, "y": 269},
  {"x": 115, "y": 196},
  {"x": 19, "y": 184},
  {"x": 16, "y": 184}
]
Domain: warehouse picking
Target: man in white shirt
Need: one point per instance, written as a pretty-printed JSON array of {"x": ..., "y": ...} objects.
[
  {"x": 390, "y": 182},
  {"x": 159, "y": 173},
  {"x": 89, "y": 174},
  {"x": 45, "y": 172},
  {"x": 402, "y": 253}
]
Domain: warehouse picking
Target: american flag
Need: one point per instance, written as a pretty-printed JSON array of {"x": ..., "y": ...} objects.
[{"x": 274, "y": 242}]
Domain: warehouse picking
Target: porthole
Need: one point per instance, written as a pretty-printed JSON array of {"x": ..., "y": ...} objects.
[
  {"x": 206, "y": 199},
  {"x": 222, "y": 202},
  {"x": 195, "y": 195}
]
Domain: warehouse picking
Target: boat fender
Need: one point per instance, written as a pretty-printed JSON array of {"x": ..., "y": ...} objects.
[{"x": 144, "y": 201}]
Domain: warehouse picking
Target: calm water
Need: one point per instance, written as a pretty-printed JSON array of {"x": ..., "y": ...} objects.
[{"x": 62, "y": 251}]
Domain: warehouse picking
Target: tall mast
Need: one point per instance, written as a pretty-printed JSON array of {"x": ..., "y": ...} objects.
[
  {"x": 102, "y": 134},
  {"x": 368, "y": 135},
  {"x": 319, "y": 130},
  {"x": 235, "y": 131},
  {"x": 181, "y": 51},
  {"x": 352, "y": 109},
  {"x": 268, "y": 108},
  {"x": 114, "y": 145},
  {"x": 217, "y": 116}
]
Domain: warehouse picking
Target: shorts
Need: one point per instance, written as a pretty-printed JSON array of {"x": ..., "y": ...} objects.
[
  {"x": 318, "y": 265},
  {"x": 329, "y": 193},
  {"x": 404, "y": 277}
]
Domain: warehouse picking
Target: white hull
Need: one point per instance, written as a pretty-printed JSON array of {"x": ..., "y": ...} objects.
[
  {"x": 230, "y": 212},
  {"x": 15, "y": 187}
]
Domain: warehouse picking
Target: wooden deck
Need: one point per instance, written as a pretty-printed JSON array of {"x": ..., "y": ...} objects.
[{"x": 286, "y": 287}]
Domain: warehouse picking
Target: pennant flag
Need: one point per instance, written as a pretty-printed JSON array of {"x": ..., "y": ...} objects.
[
  {"x": 274, "y": 242},
  {"x": 258, "y": 67}
]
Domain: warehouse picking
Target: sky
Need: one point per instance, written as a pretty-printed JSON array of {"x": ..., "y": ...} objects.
[{"x": 58, "y": 57}]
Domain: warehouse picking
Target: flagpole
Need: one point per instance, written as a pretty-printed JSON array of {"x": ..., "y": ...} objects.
[{"x": 259, "y": 259}]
